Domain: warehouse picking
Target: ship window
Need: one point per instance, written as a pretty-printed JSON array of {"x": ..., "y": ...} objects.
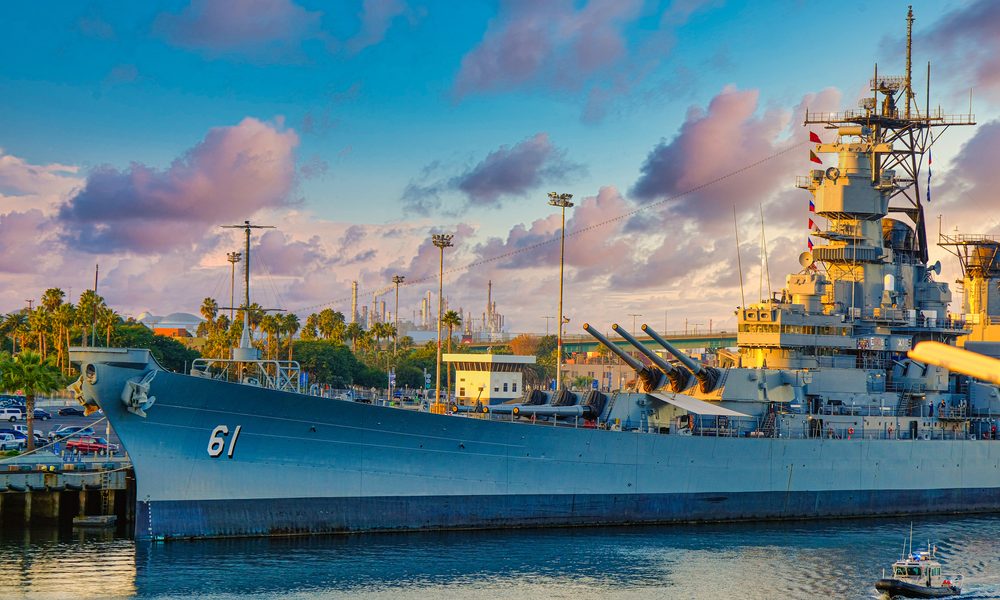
[
  {"x": 936, "y": 571},
  {"x": 913, "y": 571},
  {"x": 900, "y": 570}
]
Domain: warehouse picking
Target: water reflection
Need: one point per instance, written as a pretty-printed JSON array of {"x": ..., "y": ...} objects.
[{"x": 791, "y": 560}]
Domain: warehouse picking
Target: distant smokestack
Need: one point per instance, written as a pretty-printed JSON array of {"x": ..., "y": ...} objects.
[
  {"x": 364, "y": 316},
  {"x": 354, "y": 302},
  {"x": 381, "y": 311}
]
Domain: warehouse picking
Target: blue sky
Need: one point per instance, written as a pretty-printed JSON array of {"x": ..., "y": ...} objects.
[{"x": 397, "y": 117}]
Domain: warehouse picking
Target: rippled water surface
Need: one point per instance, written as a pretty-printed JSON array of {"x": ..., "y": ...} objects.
[{"x": 832, "y": 559}]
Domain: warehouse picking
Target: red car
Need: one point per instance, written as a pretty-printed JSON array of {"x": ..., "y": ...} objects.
[{"x": 87, "y": 444}]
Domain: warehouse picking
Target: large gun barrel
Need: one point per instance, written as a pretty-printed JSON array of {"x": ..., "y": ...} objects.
[
  {"x": 581, "y": 410},
  {"x": 708, "y": 377},
  {"x": 632, "y": 362},
  {"x": 651, "y": 379},
  {"x": 679, "y": 379}
]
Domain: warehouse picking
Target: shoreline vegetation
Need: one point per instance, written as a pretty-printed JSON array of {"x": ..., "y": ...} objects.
[{"x": 330, "y": 349}]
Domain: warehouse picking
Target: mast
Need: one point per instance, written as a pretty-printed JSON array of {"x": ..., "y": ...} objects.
[
  {"x": 909, "y": 61},
  {"x": 246, "y": 227},
  {"x": 896, "y": 141}
]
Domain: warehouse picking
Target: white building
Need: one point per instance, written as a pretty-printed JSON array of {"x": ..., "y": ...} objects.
[{"x": 487, "y": 378}]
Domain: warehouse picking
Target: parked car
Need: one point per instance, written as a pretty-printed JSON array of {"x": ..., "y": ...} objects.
[
  {"x": 42, "y": 415},
  {"x": 9, "y": 442},
  {"x": 10, "y": 414},
  {"x": 68, "y": 430},
  {"x": 90, "y": 444},
  {"x": 71, "y": 411}
]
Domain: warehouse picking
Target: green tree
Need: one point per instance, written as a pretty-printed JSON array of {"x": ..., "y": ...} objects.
[
  {"x": 310, "y": 331},
  {"x": 353, "y": 332},
  {"x": 270, "y": 325},
  {"x": 209, "y": 309},
  {"x": 15, "y": 325},
  {"x": 170, "y": 353},
  {"x": 290, "y": 325},
  {"x": 107, "y": 319},
  {"x": 86, "y": 313},
  {"x": 52, "y": 298},
  {"x": 31, "y": 374},
  {"x": 331, "y": 324}
]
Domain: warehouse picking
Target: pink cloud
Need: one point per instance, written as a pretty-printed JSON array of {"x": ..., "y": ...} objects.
[
  {"x": 234, "y": 172},
  {"x": 18, "y": 176},
  {"x": 272, "y": 29},
  {"x": 23, "y": 239},
  {"x": 551, "y": 42},
  {"x": 966, "y": 194},
  {"x": 727, "y": 136},
  {"x": 966, "y": 40}
]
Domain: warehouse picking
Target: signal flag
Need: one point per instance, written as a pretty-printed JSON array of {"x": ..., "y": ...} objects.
[
  {"x": 812, "y": 206},
  {"x": 809, "y": 243},
  {"x": 814, "y": 138},
  {"x": 814, "y": 158}
]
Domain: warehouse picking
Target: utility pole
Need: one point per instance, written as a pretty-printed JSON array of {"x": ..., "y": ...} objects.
[
  {"x": 547, "y": 319},
  {"x": 633, "y": 315},
  {"x": 93, "y": 316},
  {"x": 442, "y": 241},
  {"x": 397, "y": 279},
  {"x": 562, "y": 201}
]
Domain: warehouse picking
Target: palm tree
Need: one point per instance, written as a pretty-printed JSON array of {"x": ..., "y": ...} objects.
[
  {"x": 31, "y": 374},
  {"x": 209, "y": 309},
  {"x": 16, "y": 325},
  {"x": 452, "y": 320},
  {"x": 86, "y": 311},
  {"x": 354, "y": 331},
  {"x": 270, "y": 325},
  {"x": 107, "y": 318},
  {"x": 63, "y": 320},
  {"x": 290, "y": 325},
  {"x": 52, "y": 298}
]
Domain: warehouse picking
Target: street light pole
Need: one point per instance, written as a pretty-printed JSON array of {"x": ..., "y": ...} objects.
[
  {"x": 633, "y": 315},
  {"x": 442, "y": 241},
  {"x": 547, "y": 319},
  {"x": 233, "y": 258},
  {"x": 563, "y": 202},
  {"x": 397, "y": 279}
]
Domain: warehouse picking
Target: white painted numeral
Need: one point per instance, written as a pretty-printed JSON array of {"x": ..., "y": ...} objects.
[
  {"x": 215, "y": 441},
  {"x": 232, "y": 442}
]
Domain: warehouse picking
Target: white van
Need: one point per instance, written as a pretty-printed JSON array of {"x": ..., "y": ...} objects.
[{"x": 10, "y": 414}]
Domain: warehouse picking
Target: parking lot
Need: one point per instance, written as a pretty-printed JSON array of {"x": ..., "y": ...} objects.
[{"x": 52, "y": 406}]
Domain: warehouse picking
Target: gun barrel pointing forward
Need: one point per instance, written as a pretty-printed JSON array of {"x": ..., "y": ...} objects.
[{"x": 630, "y": 361}]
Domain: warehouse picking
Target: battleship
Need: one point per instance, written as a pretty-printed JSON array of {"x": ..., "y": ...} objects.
[{"x": 819, "y": 413}]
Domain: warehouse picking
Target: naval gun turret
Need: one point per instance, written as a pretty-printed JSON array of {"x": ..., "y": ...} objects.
[
  {"x": 708, "y": 377},
  {"x": 649, "y": 377},
  {"x": 680, "y": 379}
]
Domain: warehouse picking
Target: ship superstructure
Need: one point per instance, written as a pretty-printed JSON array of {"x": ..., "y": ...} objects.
[{"x": 820, "y": 413}]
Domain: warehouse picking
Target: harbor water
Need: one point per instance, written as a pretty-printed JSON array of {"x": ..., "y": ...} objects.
[{"x": 806, "y": 559}]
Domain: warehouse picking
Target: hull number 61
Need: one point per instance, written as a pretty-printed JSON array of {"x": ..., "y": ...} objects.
[{"x": 217, "y": 441}]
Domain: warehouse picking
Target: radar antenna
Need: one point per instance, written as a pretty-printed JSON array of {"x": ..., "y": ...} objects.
[{"x": 896, "y": 143}]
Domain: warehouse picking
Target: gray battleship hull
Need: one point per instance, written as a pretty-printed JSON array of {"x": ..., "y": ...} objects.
[{"x": 303, "y": 464}]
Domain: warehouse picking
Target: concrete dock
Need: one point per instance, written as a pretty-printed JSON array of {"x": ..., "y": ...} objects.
[{"x": 48, "y": 488}]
